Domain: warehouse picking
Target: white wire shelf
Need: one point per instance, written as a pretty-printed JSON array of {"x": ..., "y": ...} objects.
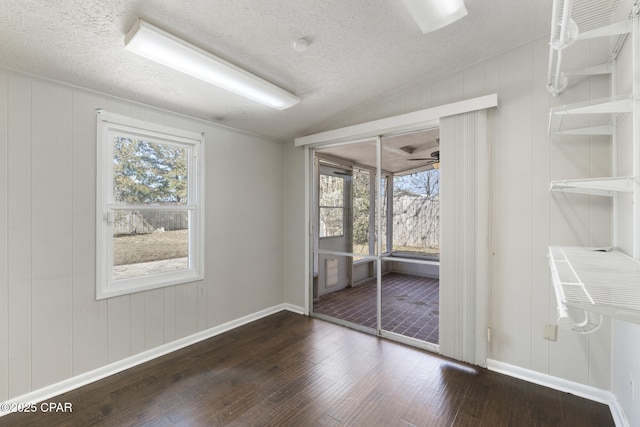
[
  {"x": 602, "y": 114},
  {"x": 576, "y": 21},
  {"x": 605, "y": 130},
  {"x": 595, "y": 186},
  {"x": 602, "y": 282}
]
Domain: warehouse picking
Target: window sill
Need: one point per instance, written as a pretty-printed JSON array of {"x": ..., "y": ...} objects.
[
  {"x": 414, "y": 256},
  {"x": 140, "y": 284}
]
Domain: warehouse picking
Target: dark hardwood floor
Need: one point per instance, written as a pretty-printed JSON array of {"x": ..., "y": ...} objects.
[{"x": 291, "y": 370}]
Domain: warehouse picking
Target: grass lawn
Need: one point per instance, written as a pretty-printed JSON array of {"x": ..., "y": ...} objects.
[{"x": 136, "y": 248}]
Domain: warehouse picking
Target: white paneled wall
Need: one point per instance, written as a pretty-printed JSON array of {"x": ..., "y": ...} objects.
[
  {"x": 527, "y": 218},
  {"x": 296, "y": 227},
  {"x": 51, "y": 326},
  {"x": 19, "y": 237},
  {"x": 4, "y": 288},
  {"x": 51, "y": 233},
  {"x": 626, "y": 344},
  {"x": 511, "y": 312}
]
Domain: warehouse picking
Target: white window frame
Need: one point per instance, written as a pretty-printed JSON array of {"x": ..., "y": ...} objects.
[{"x": 109, "y": 124}]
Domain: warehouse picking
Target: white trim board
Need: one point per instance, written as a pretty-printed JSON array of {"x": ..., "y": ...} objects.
[
  {"x": 420, "y": 119},
  {"x": 566, "y": 386},
  {"x": 78, "y": 381}
]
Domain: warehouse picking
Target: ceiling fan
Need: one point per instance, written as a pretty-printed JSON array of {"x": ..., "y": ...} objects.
[{"x": 434, "y": 157}]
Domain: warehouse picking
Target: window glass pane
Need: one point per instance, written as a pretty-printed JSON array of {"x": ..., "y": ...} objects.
[
  {"x": 331, "y": 191},
  {"x": 331, "y": 206},
  {"x": 416, "y": 213},
  {"x": 361, "y": 212},
  {"x": 382, "y": 235},
  {"x": 331, "y": 222},
  {"x": 149, "y": 172},
  {"x": 147, "y": 242}
]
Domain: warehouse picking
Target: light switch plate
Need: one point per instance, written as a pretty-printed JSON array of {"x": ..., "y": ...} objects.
[{"x": 550, "y": 331}]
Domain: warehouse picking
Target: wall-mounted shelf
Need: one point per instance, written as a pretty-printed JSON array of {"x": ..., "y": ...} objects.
[
  {"x": 574, "y": 21},
  {"x": 595, "y": 186},
  {"x": 602, "y": 114},
  {"x": 591, "y": 283},
  {"x": 598, "y": 281}
]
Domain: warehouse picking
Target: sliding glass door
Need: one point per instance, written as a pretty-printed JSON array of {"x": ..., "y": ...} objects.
[{"x": 376, "y": 236}]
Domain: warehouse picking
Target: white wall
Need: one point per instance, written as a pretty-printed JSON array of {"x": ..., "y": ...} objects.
[
  {"x": 295, "y": 229},
  {"x": 51, "y": 326},
  {"x": 527, "y": 217},
  {"x": 626, "y": 342},
  {"x": 626, "y": 369}
]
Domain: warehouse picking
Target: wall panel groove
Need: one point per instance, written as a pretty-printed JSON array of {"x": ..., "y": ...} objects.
[
  {"x": 19, "y": 234},
  {"x": 4, "y": 288},
  {"x": 51, "y": 252}
]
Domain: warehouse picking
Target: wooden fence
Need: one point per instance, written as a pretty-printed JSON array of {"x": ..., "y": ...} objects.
[
  {"x": 416, "y": 221},
  {"x": 149, "y": 221}
]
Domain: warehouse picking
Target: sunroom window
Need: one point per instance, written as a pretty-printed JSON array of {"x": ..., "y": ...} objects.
[{"x": 416, "y": 214}]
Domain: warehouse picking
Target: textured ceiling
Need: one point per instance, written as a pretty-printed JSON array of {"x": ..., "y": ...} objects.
[{"x": 361, "y": 50}]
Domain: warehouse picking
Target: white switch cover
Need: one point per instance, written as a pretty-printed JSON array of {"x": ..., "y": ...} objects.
[{"x": 550, "y": 331}]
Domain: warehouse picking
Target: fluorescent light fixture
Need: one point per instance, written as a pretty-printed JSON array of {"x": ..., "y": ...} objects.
[
  {"x": 164, "y": 48},
  {"x": 431, "y": 15}
]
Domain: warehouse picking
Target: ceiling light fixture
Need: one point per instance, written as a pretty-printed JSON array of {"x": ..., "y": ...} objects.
[
  {"x": 431, "y": 15},
  {"x": 164, "y": 48}
]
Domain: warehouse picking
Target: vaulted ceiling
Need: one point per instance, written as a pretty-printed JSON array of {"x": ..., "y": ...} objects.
[{"x": 360, "y": 51}]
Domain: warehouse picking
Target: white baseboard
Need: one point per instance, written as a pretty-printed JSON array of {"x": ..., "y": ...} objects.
[
  {"x": 72, "y": 383},
  {"x": 293, "y": 308},
  {"x": 560, "y": 384},
  {"x": 617, "y": 413}
]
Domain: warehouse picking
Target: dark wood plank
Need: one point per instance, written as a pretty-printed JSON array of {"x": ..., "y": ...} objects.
[{"x": 291, "y": 370}]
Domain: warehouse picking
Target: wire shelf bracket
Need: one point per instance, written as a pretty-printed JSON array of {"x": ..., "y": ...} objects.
[{"x": 606, "y": 187}]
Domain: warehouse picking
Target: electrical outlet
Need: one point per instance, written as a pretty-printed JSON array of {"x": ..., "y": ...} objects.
[{"x": 550, "y": 331}]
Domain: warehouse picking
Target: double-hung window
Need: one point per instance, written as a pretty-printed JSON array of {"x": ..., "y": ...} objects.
[{"x": 149, "y": 206}]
